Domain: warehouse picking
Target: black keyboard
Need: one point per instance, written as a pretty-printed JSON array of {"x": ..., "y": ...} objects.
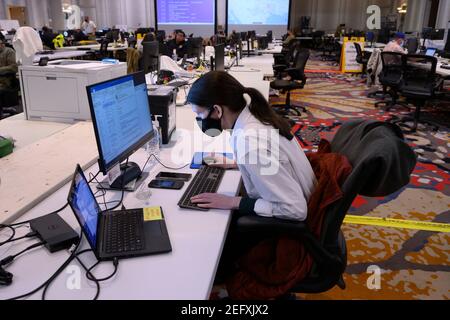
[
  {"x": 124, "y": 231},
  {"x": 207, "y": 180}
]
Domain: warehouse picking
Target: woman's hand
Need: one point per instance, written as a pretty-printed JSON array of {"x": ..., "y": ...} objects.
[
  {"x": 216, "y": 201},
  {"x": 220, "y": 161}
]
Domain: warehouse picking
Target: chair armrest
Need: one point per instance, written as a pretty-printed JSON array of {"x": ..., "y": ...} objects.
[
  {"x": 279, "y": 67},
  {"x": 270, "y": 227}
]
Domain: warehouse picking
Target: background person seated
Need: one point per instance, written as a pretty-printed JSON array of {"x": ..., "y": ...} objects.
[
  {"x": 47, "y": 37},
  {"x": 179, "y": 44},
  {"x": 396, "y": 45}
]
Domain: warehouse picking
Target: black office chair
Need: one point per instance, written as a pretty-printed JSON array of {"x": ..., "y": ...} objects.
[
  {"x": 285, "y": 59},
  {"x": 391, "y": 78},
  {"x": 317, "y": 41},
  {"x": 103, "y": 52},
  {"x": 412, "y": 45},
  {"x": 331, "y": 50},
  {"x": 9, "y": 97},
  {"x": 297, "y": 73},
  {"x": 420, "y": 83},
  {"x": 361, "y": 57},
  {"x": 382, "y": 164}
]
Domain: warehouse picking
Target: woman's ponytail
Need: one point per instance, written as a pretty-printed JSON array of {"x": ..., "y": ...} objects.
[{"x": 262, "y": 111}]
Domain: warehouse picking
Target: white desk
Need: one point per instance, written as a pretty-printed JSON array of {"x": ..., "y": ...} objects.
[
  {"x": 56, "y": 55},
  {"x": 26, "y": 132},
  {"x": 197, "y": 238},
  {"x": 94, "y": 47}
]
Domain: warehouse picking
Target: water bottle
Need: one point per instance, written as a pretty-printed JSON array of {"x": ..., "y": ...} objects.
[
  {"x": 174, "y": 55},
  {"x": 152, "y": 147}
]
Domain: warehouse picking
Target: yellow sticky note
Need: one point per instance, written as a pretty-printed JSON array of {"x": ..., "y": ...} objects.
[{"x": 153, "y": 214}]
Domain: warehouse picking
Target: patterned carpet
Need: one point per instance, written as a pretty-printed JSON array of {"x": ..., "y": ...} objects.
[{"x": 414, "y": 264}]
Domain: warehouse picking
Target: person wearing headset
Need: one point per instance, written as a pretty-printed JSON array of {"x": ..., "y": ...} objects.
[{"x": 277, "y": 175}]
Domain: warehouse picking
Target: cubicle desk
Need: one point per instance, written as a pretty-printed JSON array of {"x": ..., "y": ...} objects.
[
  {"x": 94, "y": 47},
  {"x": 57, "y": 55},
  {"x": 197, "y": 238}
]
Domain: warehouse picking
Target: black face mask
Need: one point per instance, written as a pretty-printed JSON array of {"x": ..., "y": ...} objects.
[{"x": 209, "y": 126}]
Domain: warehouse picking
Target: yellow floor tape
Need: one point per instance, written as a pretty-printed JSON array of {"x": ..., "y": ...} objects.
[{"x": 399, "y": 224}]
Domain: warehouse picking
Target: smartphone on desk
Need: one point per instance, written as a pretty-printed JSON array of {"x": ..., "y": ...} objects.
[
  {"x": 174, "y": 176},
  {"x": 166, "y": 184}
]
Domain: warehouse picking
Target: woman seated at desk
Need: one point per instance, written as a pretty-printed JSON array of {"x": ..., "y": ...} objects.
[{"x": 277, "y": 175}]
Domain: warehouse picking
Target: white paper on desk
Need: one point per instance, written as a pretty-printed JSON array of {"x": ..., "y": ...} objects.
[{"x": 114, "y": 173}]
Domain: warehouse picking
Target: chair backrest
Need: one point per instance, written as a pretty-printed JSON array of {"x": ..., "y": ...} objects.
[
  {"x": 392, "y": 67},
  {"x": 382, "y": 164},
  {"x": 358, "y": 50},
  {"x": 419, "y": 71},
  {"x": 150, "y": 56},
  {"x": 412, "y": 45},
  {"x": 104, "y": 47},
  {"x": 301, "y": 59}
]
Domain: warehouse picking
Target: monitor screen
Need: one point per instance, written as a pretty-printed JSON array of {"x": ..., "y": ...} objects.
[
  {"x": 192, "y": 16},
  {"x": 431, "y": 52},
  {"x": 85, "y": 206},
  {"x": 219, "y": 57},
  {"x": 121, "y": 117},
  {"x": 259, "y": 15}
]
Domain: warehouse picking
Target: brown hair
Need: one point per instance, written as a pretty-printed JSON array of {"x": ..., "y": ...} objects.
[{"x": 220, "y": 88}]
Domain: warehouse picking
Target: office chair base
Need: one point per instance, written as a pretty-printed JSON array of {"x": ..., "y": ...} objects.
[
  {"x": 284, "y": 110},
  {"x": 377, "y": 94},
  {"x": 391, "y": 104},
  {"x": 341, "y": 283},
  {"x": 412, "y": 129}
]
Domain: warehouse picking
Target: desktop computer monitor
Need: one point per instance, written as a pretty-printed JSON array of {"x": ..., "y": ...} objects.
[
  {"x": 122, "y": 123},
  {"x": 447, "y": 44},
  {"x": 161, "y": 34},
  {"x": 219, "y": 60},
  {"x": 195, "y": 48},
  {"x": 426, "y": 32},
  {"x": 150, "y": 56},
  {"x": 437, "y": 34},
  {"x": 269, "y": 36},
  {"x": 115, "y": 34}
]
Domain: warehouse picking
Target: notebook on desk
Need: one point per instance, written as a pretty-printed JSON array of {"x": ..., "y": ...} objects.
[{"x": 117, "y": 234}]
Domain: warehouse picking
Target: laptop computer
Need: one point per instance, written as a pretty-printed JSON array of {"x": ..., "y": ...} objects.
[
  {"x": 431, "y": 52},
  {"x": 117, "y": 234}
]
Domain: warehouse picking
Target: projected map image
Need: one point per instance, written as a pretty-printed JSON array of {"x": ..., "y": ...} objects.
[{"x": 268, "y": 12}]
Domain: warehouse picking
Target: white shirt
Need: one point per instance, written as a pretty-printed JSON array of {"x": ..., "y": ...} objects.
[
  {"x": 282, "y": 178},
  {"x": 88, "y": 27},
  {"x": 393, "y": 46}
]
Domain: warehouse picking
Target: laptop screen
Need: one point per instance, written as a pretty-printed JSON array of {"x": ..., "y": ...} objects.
[
  {"x": 430, "y": 52},
  {"x": 85, "y": 206}
]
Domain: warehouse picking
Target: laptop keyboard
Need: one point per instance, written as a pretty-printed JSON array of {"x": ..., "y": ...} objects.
[
  {"x": 124, "y": 231},
  {"x": 207, "y": 180}
]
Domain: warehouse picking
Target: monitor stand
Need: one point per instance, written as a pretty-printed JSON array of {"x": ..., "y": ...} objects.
[{"x": 130, "y": 179}]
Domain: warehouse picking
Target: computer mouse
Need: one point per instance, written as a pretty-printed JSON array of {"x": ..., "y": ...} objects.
[{"x": 209, "y": 160}]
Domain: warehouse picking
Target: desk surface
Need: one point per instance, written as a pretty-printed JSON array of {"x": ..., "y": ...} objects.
[
  {"x": 32, "y": 173},
  {"x": 26, "y": 132},
  {"x": 56, "y": 55},
  {"x": 197, "y": 238},
  {"x": 111, "y": 47}
]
